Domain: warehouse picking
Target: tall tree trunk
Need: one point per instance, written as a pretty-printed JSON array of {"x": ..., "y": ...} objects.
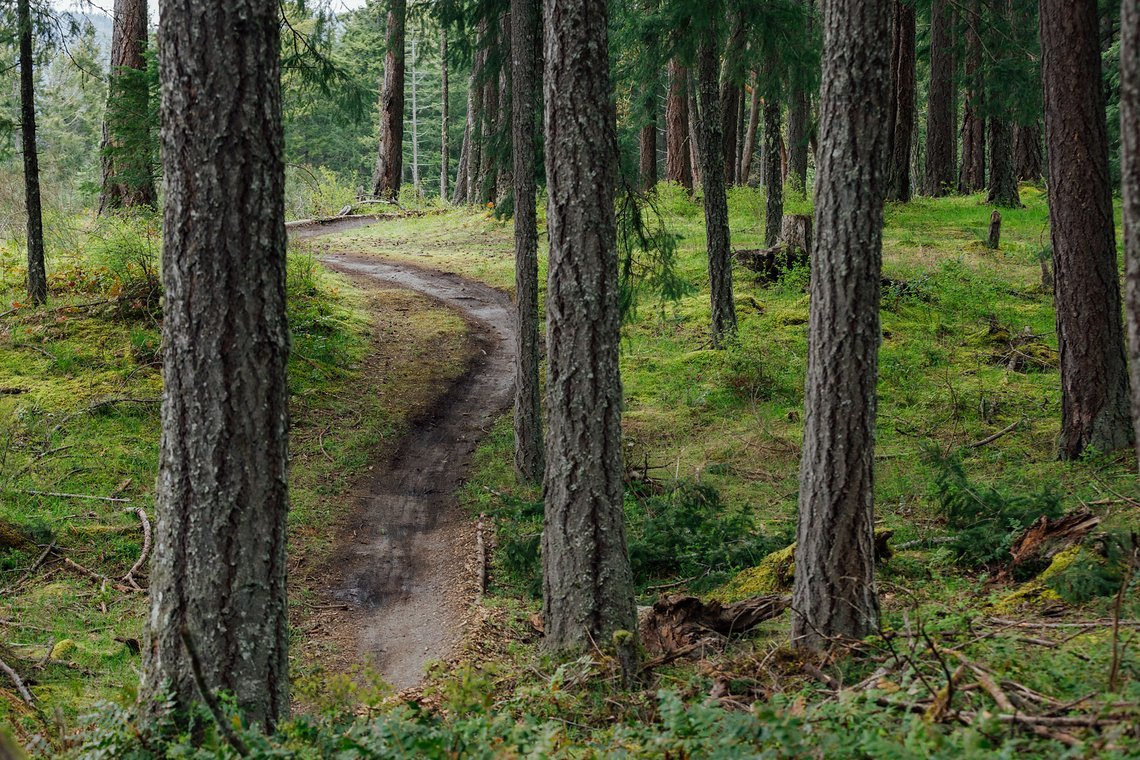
[
  {"x": 1094, "y": 376},
  {"x": 127, "y": 177},
  {"x": 478, "y": 121},
  {"x": 445, "y": 107},
  {"x": 462, "y": 179},
  {"x": 37, "y": 271},
  {"x": 587, "y": 581},
  {"x": 503, "y": 174},
  {"x": 741, "y": 126},
  {"x": 1003, "y": 178},
  {"x": 415, "y": 127},
  {"x": 1130, "y": 187},
  {"x": 528, "y": 402},
  {"x": 218, "y": 573},
  {"x": 773, "y": 176},
  {"x": 729, "y": 93},
  {"x": 1028, "y": 159},
  {"x": 694, "y": 134},
  {"x": 713, "y": 185},
  {"x": 390, "y": 161},
  {"x": 834, "y": 594},
  {"x": 677, "y": 157},
  {"x": 903, "y": 77},
  {"x": 485, "y": 185},
  {"x": 939, "y": 174},
  {"x": 972, "y": 173},
  {"x": 750, "y": 135},
  {"x": 798, "y": 115},
  {"x": 647, "y": 156}
]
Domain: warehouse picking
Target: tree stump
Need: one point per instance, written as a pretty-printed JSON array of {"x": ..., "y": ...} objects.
[
  {"x": 995, "y": 230},
  {"x": 793, "y": 249},
  {"x": 795, "y": 232}
]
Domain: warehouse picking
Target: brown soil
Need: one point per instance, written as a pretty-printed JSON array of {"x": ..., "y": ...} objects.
[{"x": 398, "y": 582}]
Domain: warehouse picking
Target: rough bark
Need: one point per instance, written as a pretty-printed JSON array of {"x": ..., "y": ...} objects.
[
  {"x": 1130, "y": 187},
  {"x": 528, "y": 402},
  {"x": 834, "y": 594},
  {"x": 218, "y": 571},
  {"x": 445, "y": 107},
  {"x": 677, "y": 168},
  {"x": 587, "y": 581},
  {"x": 729, "y": 95},
  {"x": 503, "y": 174},
  {"x": 972, "y": 171},
  {"x": 478, "y": 129},
  {"x": 773, "y": 176},
  {"x": 389, "y": 171},
  {"x": 713, "y": 185},
  {"x": 647, "y": 156},
  {"x": 127, "y": 176},
  {"x": 903, "y": 79},
  {"x": 1095, "y": 408},
  {"x": 37, "y": 271},
  {"x": 750, "y": 135},
  {"x": 492, "y": 92},
  {"x": 694, "y": 135},
  {"x": 798, "y": 114},
  {"x": 1003, "y": 178},
  {"x": 1027, "y": 155},
  {"x": 939, "y": 176}
]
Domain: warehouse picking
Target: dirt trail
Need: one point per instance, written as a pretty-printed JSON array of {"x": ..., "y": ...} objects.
[{"x": 400, "y": 563}]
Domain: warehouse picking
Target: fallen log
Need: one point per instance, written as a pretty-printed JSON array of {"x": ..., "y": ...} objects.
[{"x": 680, "y": 622}]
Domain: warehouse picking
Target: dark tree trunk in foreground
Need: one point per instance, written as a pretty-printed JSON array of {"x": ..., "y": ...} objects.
[
  {"x": 677, "y": 167},
  {"x": 587, "y": 581},
  {"x": 972, "y": 172},
  {"x": 713, "y": 185},
  {"x": 528, "y": 403},
  {"x": 390, "y": 161},
  {"x": 834, "y": 593},
  {"x": 37, "y": 271},
  {"x": 218, "y": 573},
  {"x": 445, "y": 107},
  {"x": 939, "y": 174},
  {"x": 1027, "y": 155},
  {"x": 647, "y": 155},
  {"x": 1130, "y": 187},
  {"x": 903, "y": 77},
  {"x": 1094, "y": 377},
  {"x": 773, "y": 174},
  {"x": 127, "y": 178}
]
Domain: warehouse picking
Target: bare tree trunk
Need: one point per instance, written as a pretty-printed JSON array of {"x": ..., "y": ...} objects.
[
  {"x": 677, "y": 156},
  {"x": 503, "y": 174},
  {"x": 415, "y": 127},
  {"x": 712, "y": 183},
  {"x": 218, "y": 572},
  {"x": 1003, "y": 179},
  {"x": 528, "y": 402},
  {"x": 750, "y": 136},
  {"x": 694, "y": 135},
  {"x": 1095, "y": 408},
  {"x": 773, "y": 175},
  {"x": 729, "y": 93},
  {"x": 37, "y": 271},
  {"x": 445, "y": 107},
  {"x": 389, "y": 172},
  {"x": 478, "y": 119},
  {"x": 903, "y": 64},
  {"x": 834, "y": 594},
  {"x": 1028, "y": 158},
  {"x": 939, "y": 174},
  {"x": 1130, "y": 187},
  {"x": 647, "y": 156},
  {"x": 972, "y": 174},
  {"x": 462, "y": 180},
  {"x": 127, "y": 177},
  {"x": 588, "y": 585}
]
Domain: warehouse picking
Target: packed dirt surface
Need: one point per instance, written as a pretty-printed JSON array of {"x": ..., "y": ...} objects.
[{"x": 399, "y": 568}]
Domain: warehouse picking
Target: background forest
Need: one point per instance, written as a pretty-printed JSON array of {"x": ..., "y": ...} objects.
[{"x": 1006, "y": 553}]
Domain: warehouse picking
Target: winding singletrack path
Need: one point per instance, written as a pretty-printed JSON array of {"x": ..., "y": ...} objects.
[{"x": 400, "y": 561}]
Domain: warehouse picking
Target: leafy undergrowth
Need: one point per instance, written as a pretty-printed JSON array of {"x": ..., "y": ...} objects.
[
  {"x": 966, "y": 460},
  {"x": 80, "y": 382}
]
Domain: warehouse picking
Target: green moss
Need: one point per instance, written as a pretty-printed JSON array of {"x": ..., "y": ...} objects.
[
  {"x": 771, "y": 576},
  {"x": 1036, "y": 592}
]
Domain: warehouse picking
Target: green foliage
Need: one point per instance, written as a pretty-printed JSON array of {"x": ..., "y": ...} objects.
[
  {"x": 1102, "y": 568},
  {"x": 985, "y": 520},
  {"x": 647, "y": 256}
]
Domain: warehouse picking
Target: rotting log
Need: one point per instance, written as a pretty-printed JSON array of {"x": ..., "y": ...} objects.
[{"x": 792, "y": 250}]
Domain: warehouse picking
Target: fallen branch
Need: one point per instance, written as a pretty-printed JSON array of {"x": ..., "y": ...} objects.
[
  {"x": 991, "y": 438},
  {"x": 129, "y": 578},
  {"x": 20, "y": 687},
  {"x": 27, "y": 573},
  {"x": 77, "y": 496},
  {"x": 208, "y": 696},
  {"x": 73, "y": 565},
  {"x": 1031, "y": 624}
]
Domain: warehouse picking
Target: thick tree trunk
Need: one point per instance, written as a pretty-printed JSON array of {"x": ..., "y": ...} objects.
[
  {"x": 218, "y": 572},
  {"x": 939, "y": 173},
  {"x": 834, "y": 594},
  {"x": 459, "y": 192},
  {"x": 903, "y": 78},
  {"x": 415, "y": 126},
  {"x": 445, "y": 107},
  {"x": 502, "y": 173},
  {"x": 390, "y": 161},
  {"x": 750, "y": 136},
  {"x": 1003, "y": 178},
  {"x": 677, "y": 157},
  {"x": 587, "y": 582},
  {"x": 798, "y": 115},
  {"x": 773, "y": 176},
  {"x": 37, "y": 271},
  {"x": 127, "y": 177},
  {"x": 972, "y": 171},
  {"x": 478, "y": 120},
  {"x": 647, "y": 156},
  {"x": 1130, "y": 187},
  {"x": 713, "y": 185},
  {"x": 1094, "y": 376},
  {"x": 1027, "y": 154},
  {"x": 528, "y": 402}
]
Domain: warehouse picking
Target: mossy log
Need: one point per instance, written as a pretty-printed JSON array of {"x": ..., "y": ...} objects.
[
  {"x": 13, "y": 537},
  {"x": 792, "y": 250}
]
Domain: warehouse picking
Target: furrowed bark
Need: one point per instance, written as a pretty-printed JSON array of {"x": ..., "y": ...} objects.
[
  {"x": 677, "y": 168},
  {"x": 939, "y": 175},
  {"x": 903, "y": 77},
  {"x": 390, "y": 160},
  {"x": 37, "y": 271},
  {"x": 1130, "y": 187}
]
